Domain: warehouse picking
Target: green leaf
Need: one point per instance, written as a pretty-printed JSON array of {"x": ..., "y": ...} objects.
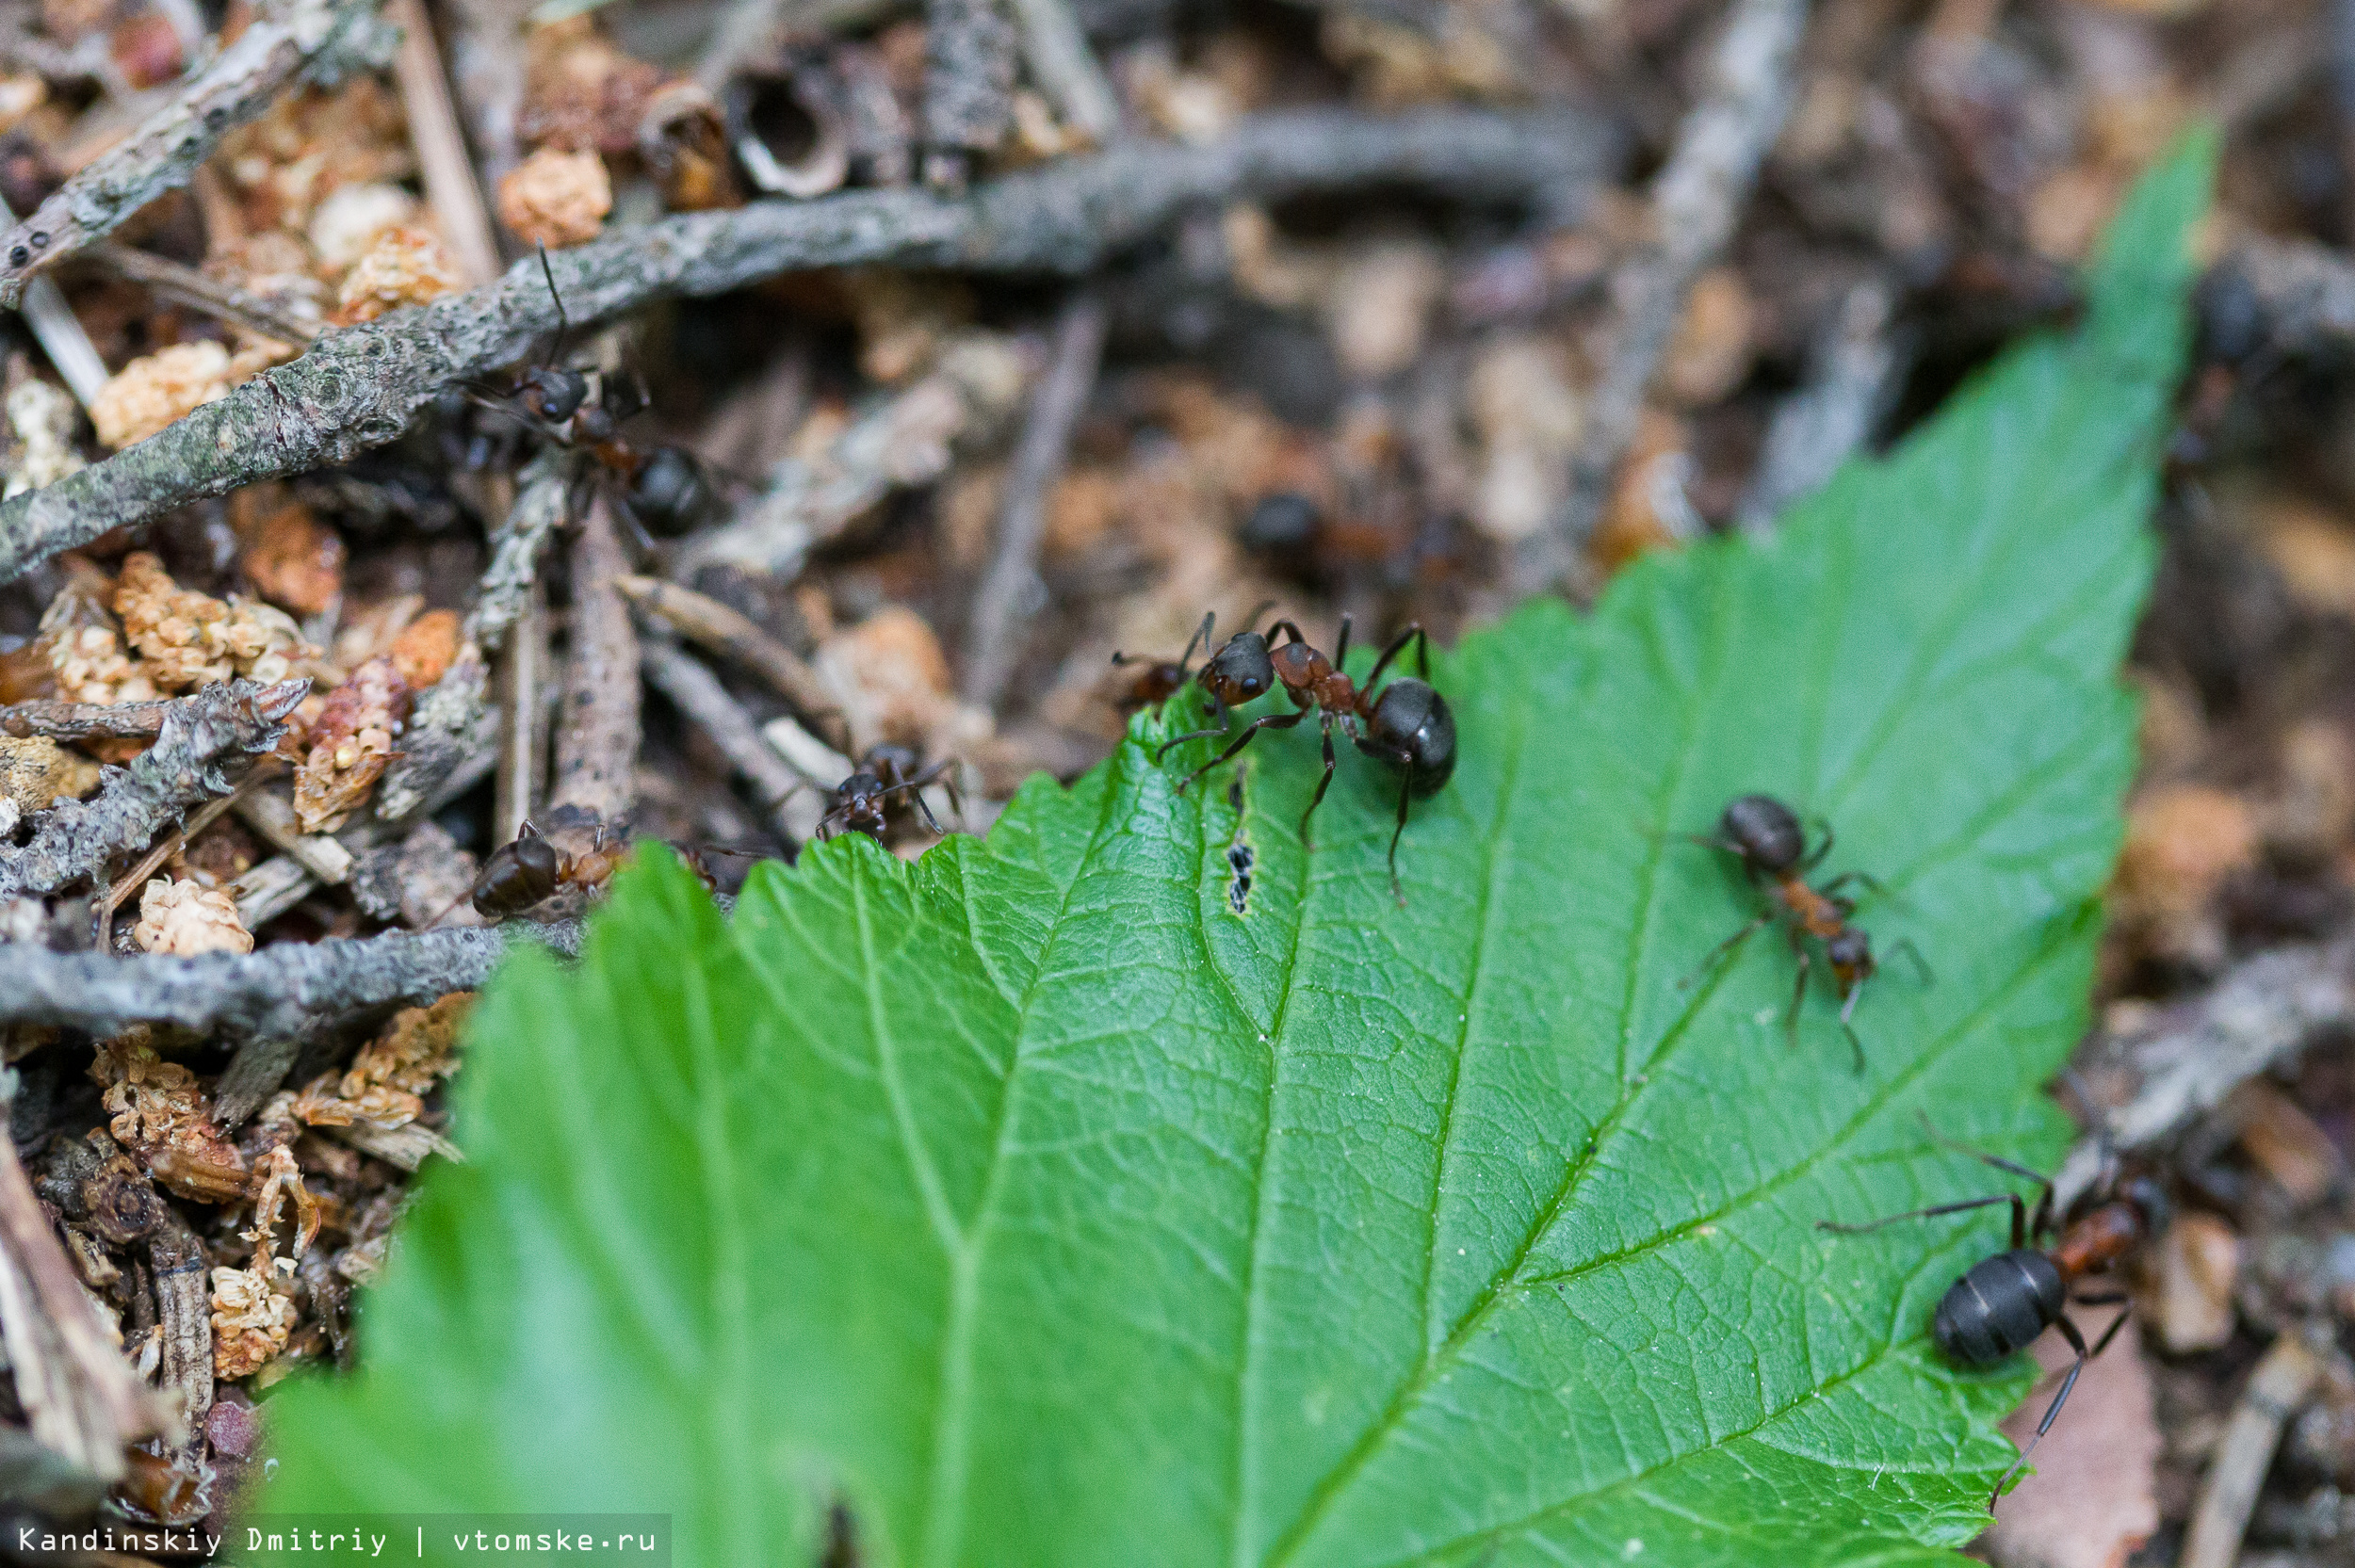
[{"x": 1050, "y": 1211}]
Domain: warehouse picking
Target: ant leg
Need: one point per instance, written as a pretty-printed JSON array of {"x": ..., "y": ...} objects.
[
  {"x": 2076, "y": 1342},
  {"x": 1933, "y": 1212},
  {"x": 1289, "y": 627},
  {"x": 2103, "y": 1298},
  {"x": 1905, "y": 945},
  {"x": 1248, "y": 622},
  {"x": 563, "y": 322},
  {"x": 1340, "y": 647},
  {"x": 1200, "y": 639},
  {"x": 1799, "y": 989},
  {"x": 2044, "y": 1221},
  {"x": 1326, "y": 723},
  {"x": 1815, "y": 857},
  {"x": 1412, "y": 632},
  {"x": 1406, "y": 793},
  {"x": 1272, "y": 721},
  {"x": 1218, "y": 711},
  {"x": 1721, "y": 950}
]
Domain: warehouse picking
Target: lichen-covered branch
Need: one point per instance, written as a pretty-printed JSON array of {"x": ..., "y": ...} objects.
[
  {"x": 279, "y": 991},
  {"x": 85, "y": 720},
  {"x": 696, "y": 692},
  {"x": 182, "y": 769},
  {"x": 359, "y": 388},
  {"x": 163, "y": 154}
]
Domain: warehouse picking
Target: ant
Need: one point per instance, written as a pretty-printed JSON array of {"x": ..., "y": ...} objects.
[
  {"x": 1772, "y": 845},
  {"x": 528, "y": 871},
  {"x": 1238, "y": 673},
  {"x": 860, "y": 801},
  {"x": 666, "y": 489},
  {"x": 1407, "y": 726},
  {"x": 2001, "y": 1303}
]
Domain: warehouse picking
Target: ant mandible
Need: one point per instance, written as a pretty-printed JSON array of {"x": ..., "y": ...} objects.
[
  {"x": 1238, "y": 673},
  {"x": 665, "y": 488},
  {"x": 1407, "y": 726},
  {"x": 2001, "y": 1303},
  {"x": 1767, "y": 837},
  {"x": 860, "y": 802}
]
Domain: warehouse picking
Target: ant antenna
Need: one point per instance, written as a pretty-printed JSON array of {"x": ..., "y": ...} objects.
[{"x": 563, "y": 322}]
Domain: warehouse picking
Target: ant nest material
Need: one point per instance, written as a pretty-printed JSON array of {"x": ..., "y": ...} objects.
[
  {"x": 185, "y": 918},
  {"x": 350, "y": 745},
  {"x": 556, "y": 199},
  {"x": 404, "y": 266},
  {"x": 161, "y": 1114},
  {"x": 150, "y": 393}
]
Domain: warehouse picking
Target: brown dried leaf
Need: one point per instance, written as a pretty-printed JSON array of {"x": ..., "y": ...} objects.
[
  {"x": 294, "y": 561},
  {"x": 426, "y": 648}
]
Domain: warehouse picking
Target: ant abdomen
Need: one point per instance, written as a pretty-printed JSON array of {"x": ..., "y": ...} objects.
[
  {"x": 669, "y": 492},
  {"x": 1766, "y": 833},
  {"x": 1412, "y": 723},
  {"x": 1999, "y": 1306}
]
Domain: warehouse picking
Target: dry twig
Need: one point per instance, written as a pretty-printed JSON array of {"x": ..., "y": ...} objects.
[
  {"x": 710, "y": 624},
  {"x": 1010, "y": 587},
  {"x": 85, "y": 720},
  {"x": 448, "y": 172},
  {"x": 182, "y": 769},
  {"x": 2199, "y": 1051},
  {"x": 164, "y": 152},
  {"x": 185, "y": 286},
  {"x": 359, "y": 388},
  {"x": 598, "y": 727},
  {"x": 2227, "y": 1494},
  {"x": 1066, "y": 67},
  {"x": 1819, "y": 427},
  {"x": 1696, "y": 200},
  {"x": 283, "y": 990},
  {"x": 697, "y": 693}
]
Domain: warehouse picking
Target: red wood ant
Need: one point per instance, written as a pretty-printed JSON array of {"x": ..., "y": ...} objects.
[
  {"x": 529, "y": 870},
  {"x": 1768, "y": 838},
  {"x": 861, "y": 801},
  {"x": 666, "y": 489},
  {"x": 1238, "y": 673},
  {"x": 1406, "y": 726},
  {"x": 2001, "y": 1303}
]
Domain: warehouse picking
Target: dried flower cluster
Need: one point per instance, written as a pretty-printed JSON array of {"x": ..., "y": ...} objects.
[
  {"x": 162, "y": 1116},
  {"x": 252, "y": 1317},
  {"x": 404, "y": 266},
  {"x": 387, "y": 1082},
  {"x": 36, "y": 771},
  {"x": 151, "y": 391},
  {"x": 556, "y": 199},
  {"x": 184, "y": 639},
  {"x": 350, "y": 744},
  {"x": 187, "y": 918}
]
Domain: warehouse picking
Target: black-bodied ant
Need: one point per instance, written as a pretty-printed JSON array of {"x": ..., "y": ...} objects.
[
  {"x": 1767, "y": 837},
  {"x": 666, "y": 489},
  {"x": 527, "y": 872},
  {"x": 1238, "y": 673},
  {"x": 861, "y": 801},
  {"x": 1407, "y": 726},
  {"x": 2001, "y": 1303}
]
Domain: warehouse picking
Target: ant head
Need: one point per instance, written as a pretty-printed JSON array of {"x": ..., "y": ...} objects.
[
  {"x": 1766, "y": 831},
  {"x": 1240, "y": 672},
  {"x": 553, "y": 395},
  {"x": 1850, "y": 950},
  {"x": 669, "y": 492}
]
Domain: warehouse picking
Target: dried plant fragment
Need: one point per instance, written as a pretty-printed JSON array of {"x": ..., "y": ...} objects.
[
  {"x": 163, "y": 1117},
  {"x": 387, "y": 1082},
  {"x": 185, "y": 918},
  {"x": 36, "y": 771},
  {"x": 294, "y": 561},
  {"x": 185, "y": 638},
  {"x": 281, "y": 1179},
  {"x": 252, "y": 1320},
  {"x": 556, "y": 199},
  {"x": 426, "y": 648},
  {"x": 45, "y": 418},
  {"x": 150, "y": 393},
  {"x": 405, "y": 267},
  {"x": 350, "y": 745}
]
